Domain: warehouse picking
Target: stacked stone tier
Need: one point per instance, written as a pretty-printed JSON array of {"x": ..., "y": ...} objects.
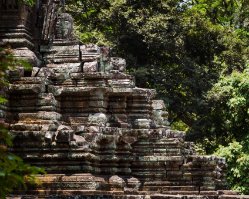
[{"x": 95, "y": 132}]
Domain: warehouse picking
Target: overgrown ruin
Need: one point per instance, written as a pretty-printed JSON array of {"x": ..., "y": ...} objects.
[{"x": 81, "y": 117}]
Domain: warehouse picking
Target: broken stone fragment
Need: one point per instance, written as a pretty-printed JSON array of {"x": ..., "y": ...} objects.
[
  {"x": 142, "y": 123},
  {"x": 60, "y": 52},
  {"x": 79, "y": 140},
  {"x": 90, "y": 67},
  {"x": 160, "y": 117},
  {"x": 129, "y": 139},
  {"x": 41, "y": 115},
  {"x": 92, "y": 133},
  {"x": 43, "y": 72},
  {"x": 116, "y": 183},
  {"x": 49, "y": 115},
  {"x": 89, "y": 52},
  {"x": 27, "y": 55},
  {"x": 93, "y": 129},
  {"x": 24, "y": 88},
  {"x": 60, "y": 76},
  {"x": 90, "y": 48},
  {"x": 98, "y": 119},
  {"x": 49, "y": 136},
  {"x": 158, "y": 104},
  {"x": 75, "y": 76},
  {"x": 64, "y": 134},
  {"x": 80, "y": 129},
  {"x": 35, "y": 71},
  {"x": 133, "y": 185},
  {"x": 118, "y": 63}
]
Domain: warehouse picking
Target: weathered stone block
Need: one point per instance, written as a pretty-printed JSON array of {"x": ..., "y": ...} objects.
[
  {"x": 142, "y": 123},
  {"x": 90, "y": 67}
]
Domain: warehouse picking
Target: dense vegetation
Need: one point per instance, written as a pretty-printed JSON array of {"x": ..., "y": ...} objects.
[{"x": 195, "y": 53}]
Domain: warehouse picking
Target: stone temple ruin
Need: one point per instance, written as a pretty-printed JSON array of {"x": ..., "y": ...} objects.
[{"x": 81, "y": 117}]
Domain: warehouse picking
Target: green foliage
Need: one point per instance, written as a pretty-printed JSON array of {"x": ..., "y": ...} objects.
[
  {"x": 27, "y": 2},
  {"x": 179, "y": 125},
  {"x": 226, "y": 12},
  {"x": 227, "y": 121},
  {"x": 237, "y": 157},
  {"x": 14, "y": 173},
  {"x": 229, "y": 108}
]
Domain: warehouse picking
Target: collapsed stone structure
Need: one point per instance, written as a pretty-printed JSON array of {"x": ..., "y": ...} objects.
[{"x": 81, "y": 117}]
